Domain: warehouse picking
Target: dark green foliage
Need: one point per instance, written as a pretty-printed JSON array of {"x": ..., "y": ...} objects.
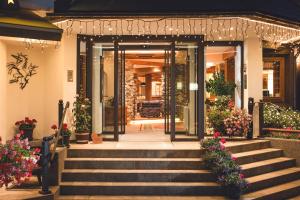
[{"x": 218, "y": 86}]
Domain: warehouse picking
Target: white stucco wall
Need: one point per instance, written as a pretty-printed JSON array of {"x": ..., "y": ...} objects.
[
  {"x": 253, "y": 60},
  {"x": 3, "y": 93},
  {"x": 39, "y": 99}
]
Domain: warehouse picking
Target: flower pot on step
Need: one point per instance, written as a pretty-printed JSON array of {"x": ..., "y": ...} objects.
[
  {"x": 66, "y": 140},
  {"x": 82, "y": 138}
]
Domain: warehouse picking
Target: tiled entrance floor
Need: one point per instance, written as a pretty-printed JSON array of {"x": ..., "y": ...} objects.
[{"x": 144, "y": 144}]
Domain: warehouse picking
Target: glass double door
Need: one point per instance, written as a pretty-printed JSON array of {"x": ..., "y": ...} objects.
[{"x": 182, "y": 97}]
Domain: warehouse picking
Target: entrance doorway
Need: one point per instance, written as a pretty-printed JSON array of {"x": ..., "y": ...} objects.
[{"x": 151, "y": 86}]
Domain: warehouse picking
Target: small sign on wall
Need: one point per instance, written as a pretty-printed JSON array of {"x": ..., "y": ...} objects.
[{"x": 70, "y": 75}]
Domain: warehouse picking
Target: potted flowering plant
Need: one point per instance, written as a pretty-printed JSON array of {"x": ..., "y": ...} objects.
[
  {"x": 224, "y": 166},
  {"x": 17, "y": 160},
  {"x": 82, "y": 118},
  {"x": 238, "y": 123},
  {"x": 27, "y": 126},
  {"x": 65, "y": 133}
]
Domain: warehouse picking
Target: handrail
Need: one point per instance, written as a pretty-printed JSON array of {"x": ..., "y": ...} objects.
[
  {"x": 57, "y": 134},
  {"x": 47, "y": 156}
]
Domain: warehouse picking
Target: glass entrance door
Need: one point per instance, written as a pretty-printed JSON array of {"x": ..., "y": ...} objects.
[
  {"x": 183, "y": 87},
  {"x": 185, "y": 90}
]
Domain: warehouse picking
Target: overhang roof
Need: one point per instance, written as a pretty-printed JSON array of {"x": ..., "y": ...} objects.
[
  {"x": 282, "y": 10},
  {"x": 16, "y": 22}
]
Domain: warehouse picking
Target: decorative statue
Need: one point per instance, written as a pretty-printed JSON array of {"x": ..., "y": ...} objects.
[{"x": 21, "y": 70}]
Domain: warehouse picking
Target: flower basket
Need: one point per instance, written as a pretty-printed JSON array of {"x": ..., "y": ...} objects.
[
  {"x": 26, "y": 127},
  {"x": 27, "y": 133}
]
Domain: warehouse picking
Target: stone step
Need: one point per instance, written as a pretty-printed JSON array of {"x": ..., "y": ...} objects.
[
  {"x": 266, "y": 166},
  {"x": 141, "y": 188},
  {"x": 257, "y": 155},
  {"x": 278, "y": 192},
  {"x": 162, "y": 153},
  {"x": 273, "y": 178},
  {"x": 133, "y": 153},
  {"x": 249, "y": 145},
  {"x": 125, "y": 175},
  {"x": 134, "y": 163}
]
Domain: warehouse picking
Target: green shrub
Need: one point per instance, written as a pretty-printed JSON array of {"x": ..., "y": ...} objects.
[
  {"x": 281, "y": 117},
  {"x": 216, "y": 119},
  {"x": 218, "y": 86}
]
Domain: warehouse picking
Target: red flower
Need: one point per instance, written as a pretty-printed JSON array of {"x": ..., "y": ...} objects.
[
  {"x": 217, "y": 134},
  {"x": 37, "y": 150},
  {"x": 26, "y": 119},
  {"x": 65, "y": 126},
  {"x": 34, "y": 121},
  {"x": 21, "y": 132},
  {"x": 17, "y": 123},
  {"x": 54, "y": 127},
  {"x": 223, "y": 141}
]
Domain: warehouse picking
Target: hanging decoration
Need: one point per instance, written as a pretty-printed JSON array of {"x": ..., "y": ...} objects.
[
  {"x": 20, "y": 70},
  {"x": 213, "y": 29}
]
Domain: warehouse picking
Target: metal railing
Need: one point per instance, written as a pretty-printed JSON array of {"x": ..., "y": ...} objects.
[{"x": 47, "y": 155}]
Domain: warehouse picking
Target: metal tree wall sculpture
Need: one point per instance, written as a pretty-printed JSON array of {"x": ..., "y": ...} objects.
[{"x": 21, "y": 70}]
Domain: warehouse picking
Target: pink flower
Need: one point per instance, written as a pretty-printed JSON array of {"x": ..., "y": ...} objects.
[
  {"x": 242, "y": 176},
  {"x": 222, "y": 147},
  {"x": 233, "y": 158}
]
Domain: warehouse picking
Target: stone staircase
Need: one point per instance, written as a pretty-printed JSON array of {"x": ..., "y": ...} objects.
[{"x": 176, "y": 173}]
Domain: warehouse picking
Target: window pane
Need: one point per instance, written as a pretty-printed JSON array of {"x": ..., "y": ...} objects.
[{"x": 271, "y": 79}]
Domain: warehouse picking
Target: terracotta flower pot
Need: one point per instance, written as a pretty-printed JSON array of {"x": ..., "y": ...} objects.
[
  {"x": 28, "y": 132},
  {"x": 82, "y": 138}
]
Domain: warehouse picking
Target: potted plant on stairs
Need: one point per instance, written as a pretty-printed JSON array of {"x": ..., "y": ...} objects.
[
  {"x": 82, "y": 118},
  {"x": 26, "y": 126}
]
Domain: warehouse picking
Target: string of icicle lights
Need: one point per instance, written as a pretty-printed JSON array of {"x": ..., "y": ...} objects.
[{"x": 213, "y": 29}]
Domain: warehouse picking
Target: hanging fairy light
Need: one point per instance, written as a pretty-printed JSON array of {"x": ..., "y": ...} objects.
[{"x": 213, "y": 29}]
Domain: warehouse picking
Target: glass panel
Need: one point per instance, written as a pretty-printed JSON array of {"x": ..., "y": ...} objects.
[
  {"x": 103, "y": 89},
  {"x": 271, "y": 79},
  {"x": 122, "y": 118},
  {"x": 227, "y": 61},
  {"x": 186, "y": 88},
  {"x": 166, "y": 91},
  {"x": 82, "y": 66}
]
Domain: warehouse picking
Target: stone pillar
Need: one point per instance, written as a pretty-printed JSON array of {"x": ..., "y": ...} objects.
[
  {"x": 148, "y": 86},
  {"x": 3, "y": 88},
  {"x": 253, "y": 64}
]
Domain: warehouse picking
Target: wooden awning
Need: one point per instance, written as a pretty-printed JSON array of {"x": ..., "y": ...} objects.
[{"x": 17, "y": 22}]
